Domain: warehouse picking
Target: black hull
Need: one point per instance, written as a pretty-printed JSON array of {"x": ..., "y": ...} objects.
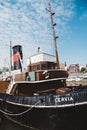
[
  {"x": 52, "y": 112},
  {"x": 73, "y": 118}
]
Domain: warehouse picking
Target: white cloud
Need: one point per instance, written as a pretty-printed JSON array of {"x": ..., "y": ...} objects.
[{"x": 27, "y": 23}]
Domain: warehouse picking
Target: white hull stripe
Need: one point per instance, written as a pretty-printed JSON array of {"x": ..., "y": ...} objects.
[{"x": 52, "y": 106}]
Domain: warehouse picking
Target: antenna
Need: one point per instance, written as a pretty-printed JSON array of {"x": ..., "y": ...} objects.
[{"x": 38, "y": 49}]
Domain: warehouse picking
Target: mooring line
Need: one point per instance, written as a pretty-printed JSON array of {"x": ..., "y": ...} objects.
[{"x": 21, "y": 113}]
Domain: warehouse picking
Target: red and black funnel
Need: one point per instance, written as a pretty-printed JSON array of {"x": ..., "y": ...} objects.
[{"x": 17, "y": 57}]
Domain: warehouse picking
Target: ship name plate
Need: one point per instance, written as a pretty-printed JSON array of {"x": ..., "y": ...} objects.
[{"x": 63, "y": 99}]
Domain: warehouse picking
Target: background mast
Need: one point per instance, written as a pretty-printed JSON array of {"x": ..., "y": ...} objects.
[{"x": 10, "y": 55}]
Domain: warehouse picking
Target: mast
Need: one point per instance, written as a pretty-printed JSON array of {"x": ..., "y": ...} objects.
[
  {"x": 10, "y": 55},
  {"x": 54, "y": 37}
]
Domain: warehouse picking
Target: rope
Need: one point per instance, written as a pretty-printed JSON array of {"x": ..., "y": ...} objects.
[{"x": 21, "y": 113}]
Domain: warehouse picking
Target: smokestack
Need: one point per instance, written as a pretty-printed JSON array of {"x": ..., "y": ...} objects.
[{"x": 17, "y": 57}]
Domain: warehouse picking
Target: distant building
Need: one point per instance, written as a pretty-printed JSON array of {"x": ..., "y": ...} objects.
[{"x": 74, "y": 68}]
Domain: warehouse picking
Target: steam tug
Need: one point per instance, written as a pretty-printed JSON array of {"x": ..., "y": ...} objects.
[{"x": 39, "y": 98}]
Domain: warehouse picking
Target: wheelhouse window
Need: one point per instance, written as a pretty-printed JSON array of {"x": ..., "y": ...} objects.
[
  {"x": 41, "y": 66},
  {"x": 51, "y": 66},
  {"x": 38, "y": 67},
  {"x": 33, "y": 68},
  {"x": 44, "y": 66}
]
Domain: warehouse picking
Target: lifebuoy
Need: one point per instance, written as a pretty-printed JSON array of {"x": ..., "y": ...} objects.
[{"x": 46, "y": 74}]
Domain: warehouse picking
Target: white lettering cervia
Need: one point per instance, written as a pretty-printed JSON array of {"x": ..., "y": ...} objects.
[{"x": 63, "y": 99}]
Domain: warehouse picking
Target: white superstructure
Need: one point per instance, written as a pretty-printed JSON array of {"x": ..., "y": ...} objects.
[{"x": 40, "y": 57}]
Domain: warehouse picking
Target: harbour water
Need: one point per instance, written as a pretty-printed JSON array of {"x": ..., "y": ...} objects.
[{"x": 8, "y": 125}]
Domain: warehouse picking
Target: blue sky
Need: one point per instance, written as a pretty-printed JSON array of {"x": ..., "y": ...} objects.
[{"x": 27, "y": 22}]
